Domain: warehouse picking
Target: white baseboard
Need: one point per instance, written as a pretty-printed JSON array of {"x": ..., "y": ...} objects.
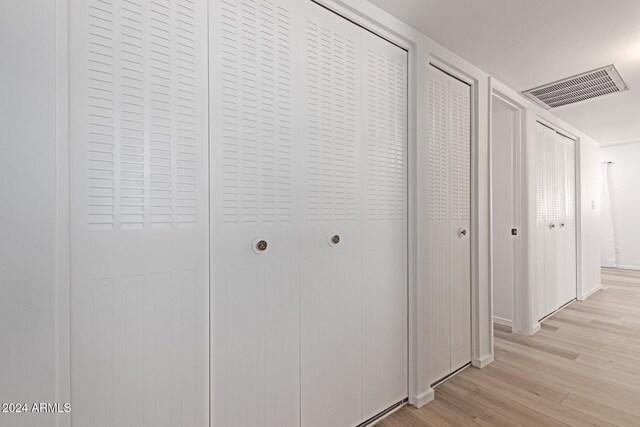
[
  {"x": 589, "y": 293},
  {"x": 534, "y": 329},
  {"x": 626, "y": 267},
  {"x": 422, "y": 399},
  {"x": 502, "y": 321},
  {"x": 482, "y": 362}
]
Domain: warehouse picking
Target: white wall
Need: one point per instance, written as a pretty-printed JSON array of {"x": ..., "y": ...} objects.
[
  {"x": 624, "y": 177},
  {"x": 27, "y": 207},
  {"x": 589, "y": 238}
]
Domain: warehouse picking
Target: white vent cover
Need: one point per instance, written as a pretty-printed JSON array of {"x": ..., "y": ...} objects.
[{"x": 592, "y": 84}]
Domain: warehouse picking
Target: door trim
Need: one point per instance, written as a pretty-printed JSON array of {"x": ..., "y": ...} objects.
[
  {"x": 521, "y": 290},
  {"x": 477, "y": 359}
]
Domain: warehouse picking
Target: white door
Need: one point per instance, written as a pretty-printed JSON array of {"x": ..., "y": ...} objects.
[
  {"x": 551, "y": 241},
  {"x": 449, "y": 221},
  {"x": 139, "y": 214},
  {"x": 309, "y": 238},
  {"x": 254, "y": 214},
  {"x": 567, "y": 225},
  {"x": 556, "y": 246},
  {"x": 331, "y": 180},
  {"x": 542, "y": 223},
  {"x": 353, "y": 239}
]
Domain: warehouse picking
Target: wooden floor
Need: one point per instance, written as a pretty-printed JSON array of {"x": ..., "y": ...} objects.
[{"x": 582, "y": 369}]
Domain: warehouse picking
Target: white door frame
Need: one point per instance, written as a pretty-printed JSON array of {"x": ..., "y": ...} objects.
[
  {"x": 476, "y": 359},
  {"x": 521, "y": 289}
]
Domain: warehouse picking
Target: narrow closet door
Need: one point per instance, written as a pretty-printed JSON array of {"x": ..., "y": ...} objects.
[
  {"x": 438, "y": 222},
  {"x": 460, "y": 222},
  {"x": 139, "y": 213},
  {"x": 541, "y": 217},
  {"x": 255, "y": 218},
  {"x": 449, "y": 222},
  {"x": 385, "y": 225},
  {"x": 331, "y": 220},
  {"x": 551, "y": 225},
  {"x": 567, "y": 225}
]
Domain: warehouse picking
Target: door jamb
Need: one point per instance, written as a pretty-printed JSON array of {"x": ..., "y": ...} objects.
[
  {"x": 476, "y": 359},
  {"x": 521, "y": 307}
]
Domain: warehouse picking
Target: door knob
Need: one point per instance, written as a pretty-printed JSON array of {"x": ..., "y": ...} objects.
[
  {"x": 562, "y": 224},
  {"x": 462, "y": 232},
  {"x": 334, "y": 239},
  {"x": 259, "y": 245},
  {"x": 552, "y": 226}
]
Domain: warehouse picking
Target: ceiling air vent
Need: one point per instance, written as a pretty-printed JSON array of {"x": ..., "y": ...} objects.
[{"x": 592, "y": 84}]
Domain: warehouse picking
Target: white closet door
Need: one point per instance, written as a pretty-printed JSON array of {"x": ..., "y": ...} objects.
[
  {"x": 541, "y": 217},
  {"x": 139, "y": 213},
  {"x": 460, "y": 222},
  {"x": 255, "y": 218},
  {"x": 353, "y": 176},
  {"x": 438, "y": 222},
  {"x": 551, "y": 241},
  {"x": 567, "y": 226},
  {"x": 331, "y": 208},
  {"x": 449, "y": 222},
  {"x": 556, "y": 240},
  {"x": 385, "y": 225}
]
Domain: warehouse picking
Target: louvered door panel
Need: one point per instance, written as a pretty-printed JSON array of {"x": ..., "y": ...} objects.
[
  {"x": 449, "y": 222},
  {"x": 254, "y": 164},
  {"x": 331, "y": 204},
  {"x": 541, "y": 219},
  {"x": 438, "y": 226},
  {"x": 567, "y": 226},
  {"x": 460, "y": 219},
  {"x": 385, "y": 225},
  {"x": 551, "y": 225},
  {"x": 139, "y": 214}
]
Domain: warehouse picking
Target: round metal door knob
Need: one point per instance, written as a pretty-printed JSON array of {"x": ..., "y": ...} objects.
[
  {"x": 335, "y": 239},
  {"x": 462, "y": 232},
  {"x": 261, "y": 245},
  {"x": 552, "y": 226}
]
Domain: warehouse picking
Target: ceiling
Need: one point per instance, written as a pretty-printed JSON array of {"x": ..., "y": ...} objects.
[{"x": 526, "y": 43}]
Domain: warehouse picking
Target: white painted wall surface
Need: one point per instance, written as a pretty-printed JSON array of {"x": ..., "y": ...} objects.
[
  {"x": 589, "y": 237},
  {"x": 28, "y": 207},
  {"x": 502, "y": 158},
  {"x": 624, "y": 176}
]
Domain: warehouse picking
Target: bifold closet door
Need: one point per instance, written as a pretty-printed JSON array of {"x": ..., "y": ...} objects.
[
  {"x": 449, "y": 221},
  {"x": 139, "y": 213},
  {"x": 309, "y": 238},
  {"x": 255, "y": 217},
  {"x": 353, "y": 231},
  {"x": 555, "y": 212}
]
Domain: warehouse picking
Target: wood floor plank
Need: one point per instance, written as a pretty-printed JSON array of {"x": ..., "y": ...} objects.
[{"x": 581, "y": 369}]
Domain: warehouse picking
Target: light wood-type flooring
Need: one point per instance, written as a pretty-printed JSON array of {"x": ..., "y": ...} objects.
[{"x": 582, "y": 369}]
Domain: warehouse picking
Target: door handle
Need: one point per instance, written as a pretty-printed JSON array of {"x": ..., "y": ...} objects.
[
  {"x": 462, "y": 232},
  {"x": 552, "y": 226},
  {"x": 562, "y": 224}
]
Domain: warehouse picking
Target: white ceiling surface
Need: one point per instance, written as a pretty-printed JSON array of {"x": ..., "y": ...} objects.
[{"x": 527, "y": 43}]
